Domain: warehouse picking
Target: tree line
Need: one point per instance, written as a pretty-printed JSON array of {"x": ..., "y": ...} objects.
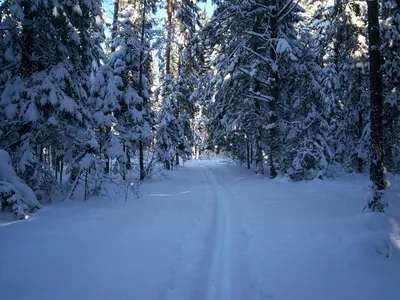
[
  {"x": 88, "y": 95},
  {"x": 313, "y": 86},
  {"x": 309, "y": 86}
]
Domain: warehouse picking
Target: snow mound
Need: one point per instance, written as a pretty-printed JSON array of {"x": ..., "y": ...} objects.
[
  {"x": 15, "y": 195},
  {"x": 375, "y": 235}
]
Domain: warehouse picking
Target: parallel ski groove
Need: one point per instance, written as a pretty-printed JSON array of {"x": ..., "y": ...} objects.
[{"x": 218, "y": 286}]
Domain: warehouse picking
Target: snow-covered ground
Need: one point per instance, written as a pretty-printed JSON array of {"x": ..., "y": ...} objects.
[{"x": 211, "y": 231}]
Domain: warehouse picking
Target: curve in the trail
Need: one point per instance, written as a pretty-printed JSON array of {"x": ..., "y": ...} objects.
[{"x": 218, "y": 284}]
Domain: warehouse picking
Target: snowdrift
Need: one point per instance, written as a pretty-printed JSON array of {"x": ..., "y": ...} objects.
[{"x": 374, "y": 234}]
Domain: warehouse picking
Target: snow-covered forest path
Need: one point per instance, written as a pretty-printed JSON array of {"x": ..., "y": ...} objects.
[{"x": 212, "y": 231}]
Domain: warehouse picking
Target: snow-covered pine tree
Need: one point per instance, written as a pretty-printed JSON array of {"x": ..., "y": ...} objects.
[
  {"x": 256, "y": 45},
  {"x": 391, "y": 82},
  {"x": 47, "y": 63},
  {"x": 339, "y": 45},
  {"x": 304, "y": 129},
  {"x": 350, "y": 59},
  {"x": 233, "y": 113},
  {"x": 377, "y": 171},
  {"x": 200, "y": 95},
  {"x": 104, "y": 104},
  {"x": 132, "y": 122},
  {"x": 173, "y": 127},
  {"x": 141, "y": 14},
  {"x": 170, "y": 134},
  {"x": 188, "y": 21}
]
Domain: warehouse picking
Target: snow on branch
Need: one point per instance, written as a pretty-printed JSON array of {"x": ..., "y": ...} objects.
[
  {"x": 288, "y": 12},
  {"x": 258, "y": 96}
]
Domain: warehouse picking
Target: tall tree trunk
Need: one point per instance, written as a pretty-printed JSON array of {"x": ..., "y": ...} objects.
[
  {"x": 61, "y": 161},
  {"x": 251, "y": 152},
  {"x": 360, "y": 131},
  {"x": 142, "y": 36},
  {"x": 360, "y": 123},
  {"x": 168, "y": 164},
  {"x": 377, "y": 174},
  {"x": 115, "y": 20},
  {"x": 128, "y": 158},
  {"x": 248, "y": 154},
  {"x": 108, "y": 129},
  {"x": 54, "y": 162},
  {"x": 29, "y": 64},
  {"x": 106, "y": 158},
  {"x": 169, "y": 38},
  {"x": 274, "y": 132},
  {"x": 259, "y": 152},
  {"x": 41, "y": 159},
  {"x": 338, "y": 10},
  {"x": 255, "y": 45},
  {"x": 177, "y": 112}
]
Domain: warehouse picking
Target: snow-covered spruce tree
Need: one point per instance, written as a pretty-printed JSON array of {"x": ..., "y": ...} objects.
[
  {"x": 15, "y": 195},
  {"x": 170, "y": 135},
  {"x": 377, "y": 170},
  {"x": 339, "y": 45},
  {"x": 259, "y": 41},
  {"x": 132, "y": 122},
  {"x": 335, "y": 47},
  {"x": 350, "y": 58},
  {"x": 233, "y": 114},
  {"x": 390, "y": 28},
  {"x": 47, "y": 63},
  {"x": 228, "y": 120},
  {"x": 187, "y": 41},
  {"x": 144, "y": 81},
  {"x": 104, "y": 104},
  {"x": 140, "y": 13},
  {"x": 200, "y": 94},
  {"x": 199, "y": 125},
  {"x": 304, "y": 128}
]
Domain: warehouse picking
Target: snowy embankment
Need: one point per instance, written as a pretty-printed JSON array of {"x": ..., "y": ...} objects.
[{"x": 210, "y": 231}]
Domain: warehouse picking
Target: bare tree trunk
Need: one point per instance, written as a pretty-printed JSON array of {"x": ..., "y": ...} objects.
[
  {"x": 274, "y": 132},
  {"x": 56, "y": 167},
  {"x": 251, "y": 153},
  {"x": 255, "y": 45},
  {"x": 29, "y": 65},
  {"x": 86, "y": 186},
  {"x": 169, "y": 38},
  {"x": 115, "y": 20},
  {"x": 259, "y": 155},
  {"x": 248, "y": 154},
  {"x": 113, "y": 33},
  {"x": 338, "y": 8},
  {"x": 377, "y": 173},
  {"x": 106, "y": 158},
  {"x": 141, "y": 146},
  {"x": 41, "y": 153},
  {"x": 360, "y": 131},
  {"x": 61, "y": 162},
  {"x": 128, "y": 158},
  {"x": 169, "y": 164},
  {"x": 177, "y": 112}
]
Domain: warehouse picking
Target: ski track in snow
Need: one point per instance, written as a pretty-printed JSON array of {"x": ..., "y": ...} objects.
[{"x": 218, "y": 286}]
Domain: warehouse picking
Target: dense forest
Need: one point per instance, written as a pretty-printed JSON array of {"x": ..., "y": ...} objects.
[{"x": 92, "y": 91}]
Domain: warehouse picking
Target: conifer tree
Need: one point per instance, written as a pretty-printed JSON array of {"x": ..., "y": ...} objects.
[
  {"x": 391, "y": 79},
  {"x": 45, "y": 93},
  {"x": 377, "y": 172}
]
